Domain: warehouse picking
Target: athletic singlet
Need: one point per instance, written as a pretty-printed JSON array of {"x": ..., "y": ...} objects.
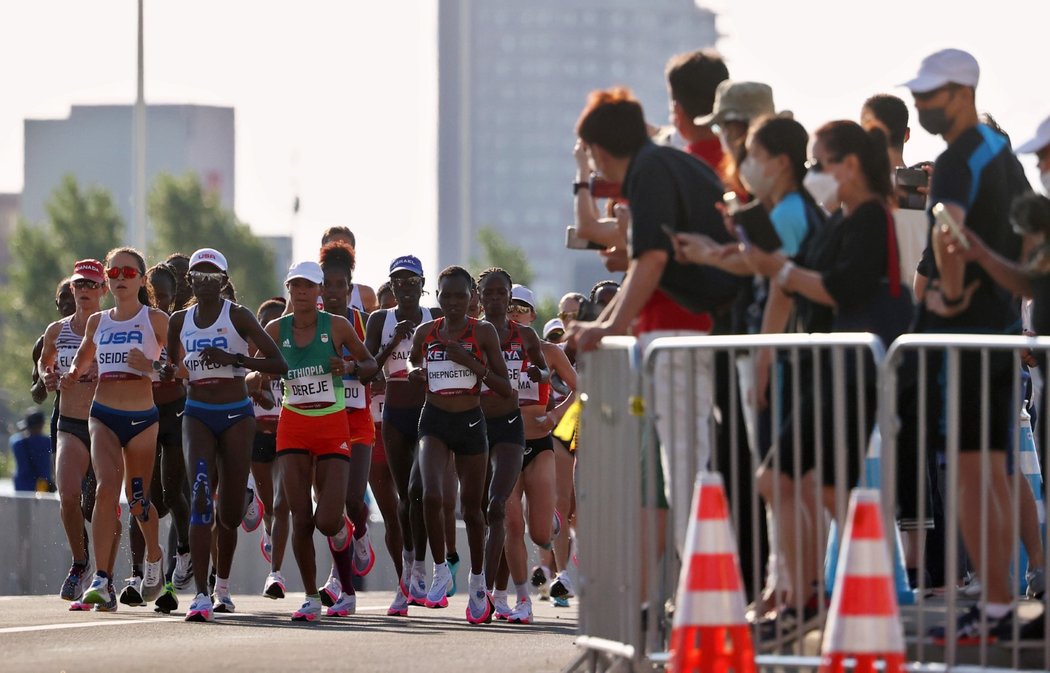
[
  {"x": 356, "y": 393},
  {"x": 278, "y": 397},
  {"x": 444, "y": 376},
  {"x": 114, "y": 339},
  {"x": 310, "y": 388},
  {"x": 517, "y": 360},
  {"x": 66, "y": 345},
  {"x": 222, "y": 334},
  {"x": 396, "y": 366}
]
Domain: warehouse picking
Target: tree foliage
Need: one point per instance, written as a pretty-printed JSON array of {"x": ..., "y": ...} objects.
[
  {"x": 497, "y": 251},
  {"x": 185, "y": 217}
]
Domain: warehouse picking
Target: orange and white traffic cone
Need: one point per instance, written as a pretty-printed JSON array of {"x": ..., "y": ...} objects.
[
  {"x": 864, "y": 621},
  {"x": 710, "y": 634}
]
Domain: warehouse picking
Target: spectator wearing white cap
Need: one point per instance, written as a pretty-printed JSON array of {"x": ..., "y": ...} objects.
[
  {"x": 976, "y": 178},
  {"x": 1039, "y": 145}
]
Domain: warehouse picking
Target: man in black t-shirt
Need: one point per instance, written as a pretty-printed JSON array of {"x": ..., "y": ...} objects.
[{"x": 976, "y": 179}]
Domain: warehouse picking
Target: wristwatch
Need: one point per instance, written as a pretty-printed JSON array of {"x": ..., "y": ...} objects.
[
  {"x": 157, "y": 365},
  {"x": 240, "y": 360},
  {"x": 577, "y": 186}
]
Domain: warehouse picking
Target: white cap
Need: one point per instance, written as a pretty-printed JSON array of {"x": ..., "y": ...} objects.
[
  {"x": 208, "y": 256},
  {"x": 524, "y": 295},
  {"x": 551, "y": 326},
  {"x": 306, "y": 270},
  {"x": 947, "y": 66},
  {"x": 1041, "y": 139}
]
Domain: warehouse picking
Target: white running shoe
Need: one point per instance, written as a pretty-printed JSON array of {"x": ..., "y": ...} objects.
[
  {"x": 131, "y": 594},
  {"x": 274, "y": 587},
  {"x": 522, "y": 613},
  {"x": 502, "y": 608},
  {"x": 183, "y": 574},
  {"x": 253, "y": 513},
  {"x": 153, "y": 582},
  {"x": 440, "y": 584},
  {"x": 344, "y": 607},
  {"x": 331, "y": 590},
  {"x": 562, "y": 586},
  {"x": 364, "y": 555},
  {"x": 479, "y": 605},
  {"x": 222, "y": 602},
  {"x": 266, "y": 546},
  {"x": 310, "y": 611},
  {"x": 200, "y": 609},
  {"x": 417, "y": 588},
  {"x": 98, "y": 593},
  {"x": 399, "y": 608}
]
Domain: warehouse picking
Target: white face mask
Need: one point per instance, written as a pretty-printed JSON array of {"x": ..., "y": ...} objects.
[
  {"x": 1045, "y": 179},
  {"x": 755, "y": 178},
  {"x": 823, "y": 187}
]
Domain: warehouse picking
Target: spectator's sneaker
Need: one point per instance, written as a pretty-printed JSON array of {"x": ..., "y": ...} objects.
[
  {"x": 968, "y": 628},
  {"x": 1031, "y": 634},
  {"x": 73, "y": 587},
  {"x": 399, "y": 608},
  {"x": 98, "y": 592},
  {"x": 200, "y": 609},
  {"x": 222, "y": 602},
  {"x": 253, "y": 515},
  {"x": 562, "y": 586},
  {"x": 437, "y": 597},
  {"x": 522, "y": 613},
  {"x": 168, "y": 601},
  {"x": 331, "y": 590},
  {"x": 182, "y": 577},
  {"x": 417, "y": 589},
  {"x": 453, "y": 566},
  {"x": 153, "y": 582},
  {"x": 972, "y": 587},
  {"x": 1036, "y": 580},
  {"x": 274, "y": 587},
  {"x": 131, "y": 595},
  {"x": 364, "y": 555},
  {"x": 500, "y": 607},
  {"x": 111, "y": 604},
  {"x": 310, "y": 611},
  {"x": 344, "y": 607},
  {"x": 479, "y": 606},
  {"x": 266, "y": 546},
  {"x": 562, "y": 602}
]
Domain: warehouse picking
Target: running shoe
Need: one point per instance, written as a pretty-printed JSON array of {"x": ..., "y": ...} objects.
[
  {"x": 73, "y": 587},
  {"x": 479, "y": 606},
  {"x": 253, "y": 514},
  {"x": 168, "y": 601},
  {"x": 153, "y": 582},
  {"x": 968, "y": 628},
  {"x": 266, "y": 546},
  {"x": 274, "y": 587},
  {"x": 1036, "y": 580},
  {"x": 417, "y": 588},
  {"x": 348, "y": 529},
  {"x": 399, "y": 608},
  {"x": 522, "y": 613},
  {"x": 562, "y": 602},
  {"x": 541, "y": 579},
  {"x": 453, "y": 565},
  {"x": 79, "y": 606},
  {"x": 364, "y": 555},
  {"x": 111, "y": 604},
  {"x": 331, "y": 590},
  {"x": 437, "y": 597},
  {"x": 556, "y": 525},
  {"x": 222, "y": 602},
  {"x": 344, "y": 607},
  {"x": 200, "y": 609},
  {"x": 183, "y": 574},
  {"x": 310, "y": 611},
  {"x": 500, "y": 607},
  {"x": 131, "y": 595},
  {"x": 562, "y": 586}
]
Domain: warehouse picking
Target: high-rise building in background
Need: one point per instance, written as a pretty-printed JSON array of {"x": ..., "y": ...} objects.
[
  {"x": 513, "y": 78},
  {"x": 94, "y": 145},
  {"x": 282, "y": 254}
]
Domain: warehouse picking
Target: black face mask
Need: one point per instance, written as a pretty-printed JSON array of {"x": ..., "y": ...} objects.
[{"x": 935, "y": 120}]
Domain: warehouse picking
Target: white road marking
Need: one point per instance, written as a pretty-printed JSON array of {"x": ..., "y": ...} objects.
[{"x": 76, "y": 625}]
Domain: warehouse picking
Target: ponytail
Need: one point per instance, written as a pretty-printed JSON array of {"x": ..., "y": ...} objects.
[{"x": 842, "y": 138}]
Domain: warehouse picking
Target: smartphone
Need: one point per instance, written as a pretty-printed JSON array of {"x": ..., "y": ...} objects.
[
  {"x": 732, "y": 203},
  {"x": 603, "y": 189},
  {"x": 942, "y": 216},
  {"x": 908, "y": 181},
  {"x": 574, "y": 242},
  {"x": 753, "y": 222}
]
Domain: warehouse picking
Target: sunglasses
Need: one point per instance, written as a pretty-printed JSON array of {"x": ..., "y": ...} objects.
[
  {"x": 84, "y": 284},
  {"x": 817, "y": 167},
  {"x": 519, "y": 310},
  {"x": 127, "y": 272},
  {"x": 415, "y": 281},
  {"x": 206, "y": 276}
]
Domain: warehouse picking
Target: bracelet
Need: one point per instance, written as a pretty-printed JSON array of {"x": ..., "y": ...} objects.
[
  {"x": 782, "y": 275},
  {"x": 577, "y": 186},
  {"x": 486, "y": 374}
]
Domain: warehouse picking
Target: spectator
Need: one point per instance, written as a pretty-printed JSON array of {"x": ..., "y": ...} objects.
[
  {"x": 1040, "y": 147},
  {"x": 692, "y": 79},
  {"x": 736, "y": 105},
  {"x": 33, "y": 455}
]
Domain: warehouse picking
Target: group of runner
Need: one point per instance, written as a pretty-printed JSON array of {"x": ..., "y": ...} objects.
[{"x": 223, "y": 418}]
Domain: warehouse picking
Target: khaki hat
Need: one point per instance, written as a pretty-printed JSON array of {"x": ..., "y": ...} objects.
[{"x": 739, "y": 102}]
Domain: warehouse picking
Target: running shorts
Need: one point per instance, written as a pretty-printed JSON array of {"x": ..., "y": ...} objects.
[
  {"x": 462, "y": 432},
  {"x": 321, "y": 436}
]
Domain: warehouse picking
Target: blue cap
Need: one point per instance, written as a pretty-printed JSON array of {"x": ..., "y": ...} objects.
[{"x": 407, "y": 263}]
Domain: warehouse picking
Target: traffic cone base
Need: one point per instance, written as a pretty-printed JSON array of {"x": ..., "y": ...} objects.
[{"x": 722, "y": 649}]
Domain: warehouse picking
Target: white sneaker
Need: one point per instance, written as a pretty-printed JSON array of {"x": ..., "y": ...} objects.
[
  {"x": 222, "y": 602},
  {"x": 344, "y": 607},
  {"x": 417, "y": 588},
  {"x": 200, "y": 609},
  {"x": 440, "y": 584},
  {"x": 399, "y": 608},
  {"x": 153, "y": 582},
  {"x": 310, "y": 611},
  {"x": 98, "y": 593},
  {"x": 522, "y": 613},
  {"x": 131, "y": 594},
  {"x": 502, "y": 608},
  {"x": 274, "y": 586},
  {"x": 183, "y": 575},
  {"x": 364, "y": 555},
  {"x": 331, "y": 590},
  {"x": 562, "y": 586}
]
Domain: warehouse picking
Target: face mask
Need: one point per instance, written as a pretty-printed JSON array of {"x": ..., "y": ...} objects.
[
  {"x": 1045, "y": 178},
  {"x": 755, "y": 178},
  {"x": 823, "y": 187},
  {"x": 935, "y": 121}
]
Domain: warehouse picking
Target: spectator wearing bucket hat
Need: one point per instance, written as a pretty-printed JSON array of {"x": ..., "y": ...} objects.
[{"x": 737, "y": 104}]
